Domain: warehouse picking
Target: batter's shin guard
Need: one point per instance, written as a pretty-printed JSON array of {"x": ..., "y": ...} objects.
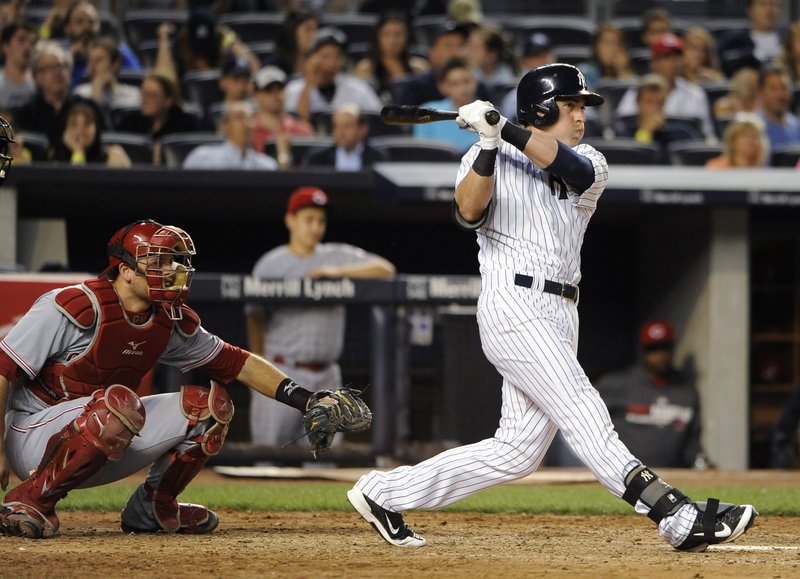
[
  {"x": 662, "y": 500},
  {"x": 170, "y": 475},
  {"x": 102, "y": 432}
]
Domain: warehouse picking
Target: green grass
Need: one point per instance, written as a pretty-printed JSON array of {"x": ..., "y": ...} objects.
[{"x": 318, "y": 496}]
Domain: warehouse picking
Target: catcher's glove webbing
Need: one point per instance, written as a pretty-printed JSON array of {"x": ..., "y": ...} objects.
[{"x": 323, "y": 420}]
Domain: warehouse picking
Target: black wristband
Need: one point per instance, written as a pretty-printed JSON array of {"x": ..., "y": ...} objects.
[
  {"x": 292, "y": 394},
  {"x": 515, "y": 135},
  {"x": 483, "y": 164}
]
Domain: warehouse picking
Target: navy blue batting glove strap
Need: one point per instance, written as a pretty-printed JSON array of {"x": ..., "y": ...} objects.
[
  {"x": 515, "y": 135},
  {"x": 483, "y": 164},
  {"x": 292, "y": 394}
]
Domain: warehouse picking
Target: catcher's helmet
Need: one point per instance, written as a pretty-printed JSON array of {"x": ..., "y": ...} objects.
[
  {"x": 539, "y": 89},
  {"x": 165, "y": 253},
  {"x": 6, "y": 137}
]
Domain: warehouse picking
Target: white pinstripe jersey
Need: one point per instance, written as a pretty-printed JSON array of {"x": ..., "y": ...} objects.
[{"x": 535, "y": 223}]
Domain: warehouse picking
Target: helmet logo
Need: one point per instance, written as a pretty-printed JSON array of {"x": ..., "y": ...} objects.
[{"x": 581, "y": 79}]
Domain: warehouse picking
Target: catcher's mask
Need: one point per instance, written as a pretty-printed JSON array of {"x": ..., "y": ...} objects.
[
  {"x": 160, "y": 253},
  {"x": 6, "y": 137}
]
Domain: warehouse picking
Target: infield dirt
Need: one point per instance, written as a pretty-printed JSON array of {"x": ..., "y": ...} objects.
[{"x": 341, "y": 544}]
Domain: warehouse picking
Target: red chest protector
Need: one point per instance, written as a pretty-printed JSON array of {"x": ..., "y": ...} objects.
[{"x": 120, "y": 352}]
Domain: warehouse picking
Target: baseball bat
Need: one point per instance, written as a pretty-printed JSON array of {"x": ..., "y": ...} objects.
[{"x": 415, "y": 115}]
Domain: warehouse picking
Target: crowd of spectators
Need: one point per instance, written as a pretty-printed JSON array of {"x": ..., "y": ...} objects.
[{"x": 666, "y": 80}]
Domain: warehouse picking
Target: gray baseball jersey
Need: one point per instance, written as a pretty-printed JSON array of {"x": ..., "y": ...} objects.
[
  {"x": 44, "y": 333},
  {"x": 535, "y": 226},
  {"x": 304, "y": 334}
]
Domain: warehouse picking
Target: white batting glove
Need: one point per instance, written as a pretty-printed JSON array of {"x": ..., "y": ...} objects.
[{"x": 473, "y": 117}]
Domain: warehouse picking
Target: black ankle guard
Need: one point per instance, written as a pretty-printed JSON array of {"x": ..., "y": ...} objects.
[{"x": 642, "y": 484}]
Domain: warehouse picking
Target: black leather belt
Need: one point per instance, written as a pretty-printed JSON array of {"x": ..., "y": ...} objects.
[{"x": 552, "y": 287}]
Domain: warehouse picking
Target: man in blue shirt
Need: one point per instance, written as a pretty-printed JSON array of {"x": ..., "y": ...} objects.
[
  {"x": 783, "y": 127},
  {"x": 458, "y": 84},
  {"x": 236, "y": 152}
]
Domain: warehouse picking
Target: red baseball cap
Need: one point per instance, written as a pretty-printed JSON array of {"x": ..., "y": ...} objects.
[
  {"x": 657, "y": 332},
  {"x": 306, "y": 197},
  {"x": 666, "y": 44}
]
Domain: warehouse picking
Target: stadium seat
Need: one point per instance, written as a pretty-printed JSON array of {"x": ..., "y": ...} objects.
[
  {"x": 631, "y": 27},
  {"x": 264, "y": 51},
  {"x": 640, "y": 60},
  {"x": 357, "y": 27},
  {"x": 116, "y": 114},
  {"x": 424, "y": 27},
  {"x": 722, "y": 27},
  {"x": 147, "y": 50},
  {"x": 138, "y": 147},
  {"x": 132, "y": 77},
  {"x": 614, "y": 89},
  {"x": 406, "y": 148},
  {"x": 301, "y": 146},
  {"x": 716, "y": 90},
  {"x": 175, "y": 147},
  {"x": 37, "y": 143},
  {"x": 142, "y": 25},
  {"x": 626, "y": 151},
  {"x": 252, "y": 27},
  {"x": 573, "y": 54},
  {"x": 693, "y": 153},
  {"x": 202, "y": 87},
  {"x": 575, "y": 31},
  {"x": 786, "y": 156}
]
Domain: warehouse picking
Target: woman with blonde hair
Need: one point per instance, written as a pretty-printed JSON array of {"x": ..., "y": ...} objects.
[
  {"x": 745, "y": 145},
  {"x": 700, "y": 62}
]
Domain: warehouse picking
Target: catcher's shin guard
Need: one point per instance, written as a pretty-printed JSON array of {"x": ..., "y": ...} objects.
[
  {"x": 170, "y": 474},
  {"x": 663, "y": 500},
  {"x": 102, "y": 432}
]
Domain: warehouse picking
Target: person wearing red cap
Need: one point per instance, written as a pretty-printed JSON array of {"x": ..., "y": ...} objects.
[
  {"x": 306, "y": 340},
  {"x": 654, "y": 407},
  {"x": 684, "y": 98}
]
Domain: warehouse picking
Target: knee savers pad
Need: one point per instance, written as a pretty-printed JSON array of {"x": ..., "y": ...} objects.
[
  {"x": 642, "y": 484},
  {"x": 112, "y": 418},
  {"x": 201, "y": 404}
]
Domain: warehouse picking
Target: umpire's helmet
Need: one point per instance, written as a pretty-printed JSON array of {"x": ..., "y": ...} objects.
[
  {"x": 539, "y": 89},
  {"x": 6, "y": 137}
]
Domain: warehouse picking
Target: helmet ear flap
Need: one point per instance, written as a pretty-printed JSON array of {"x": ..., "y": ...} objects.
[{"x": 545, "y": 113}]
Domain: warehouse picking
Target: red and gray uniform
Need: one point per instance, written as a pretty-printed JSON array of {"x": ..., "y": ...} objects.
[
  {"x": 303, "y": 341},
  {"x": 659, "y": 423},
  {"x": 78, "y": 340}
]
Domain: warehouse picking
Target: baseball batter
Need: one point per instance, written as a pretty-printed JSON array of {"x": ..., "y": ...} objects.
[
  {"x": 305, "y": 341},
  {"x": 530, "y": 192},
  {"x": 68, "y": 374}
]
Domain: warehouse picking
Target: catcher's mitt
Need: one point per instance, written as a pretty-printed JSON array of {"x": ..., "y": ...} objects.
[{"x": 323, "y": 420}]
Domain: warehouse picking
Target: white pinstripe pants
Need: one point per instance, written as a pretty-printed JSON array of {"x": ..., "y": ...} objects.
[{"x": 531, "y": 338}]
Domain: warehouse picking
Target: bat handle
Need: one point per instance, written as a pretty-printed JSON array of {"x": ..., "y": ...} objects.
[{"x": 492, "y": 117}]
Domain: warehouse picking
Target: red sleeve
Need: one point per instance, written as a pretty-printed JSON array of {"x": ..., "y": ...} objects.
[
  {"x": 226, "y": 365},
  {"x": 8, "y": 368}
]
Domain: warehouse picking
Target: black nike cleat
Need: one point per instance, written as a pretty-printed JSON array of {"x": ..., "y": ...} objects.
[
  {"x": 390, "y": 525},
  {"x": 718, "y": 523}
]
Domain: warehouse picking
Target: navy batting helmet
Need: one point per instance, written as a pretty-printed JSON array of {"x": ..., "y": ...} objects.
[{"x": 539, "y": 89}]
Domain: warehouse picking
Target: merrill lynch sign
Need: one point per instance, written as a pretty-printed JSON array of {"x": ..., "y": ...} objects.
[{"x": 237, "y": 287}]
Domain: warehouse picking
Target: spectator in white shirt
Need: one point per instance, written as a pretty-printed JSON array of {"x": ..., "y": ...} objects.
[
  {"x": 684, "y": 99},
  {"x": 237, "y": 151},
  {"x": 16, "y": 80},
  {"x": 104, "y": 61},
  {"x": 323, "y": 86}
]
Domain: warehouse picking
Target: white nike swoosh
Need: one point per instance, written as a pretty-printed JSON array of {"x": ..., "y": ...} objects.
[
  {"x": 725, "y": 532},
  {"x": 391, "y": 528}
]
